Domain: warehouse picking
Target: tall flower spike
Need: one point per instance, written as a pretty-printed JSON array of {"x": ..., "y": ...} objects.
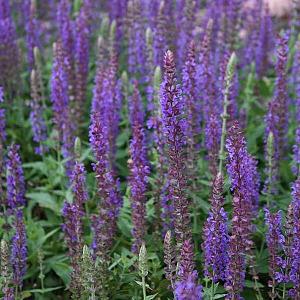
[
  {"x": 192, "y": 109},
  {"x": 296, "y": 82},
  {"x": 188, "y": 290},
  {"x": 174, "y": 127},
  {"x": 60, "y": 104},
  {"x": 265, "y": 43},
  {"x": 277, "y": 116},
  {"x": 79, "y": 184},
  {"x": 215, "y": 235},
  {"x": 185, "y": 27},
  {"x": 6, "y": 272},
  {"x": 137, "y": 41},
  {"x": 19, "y": 250},
  {"x": 32, "y": 32},
  {"x": 36, "y": 115},
  {"x": 15, "y": 179},
  {"x": 160, "y": 35},
  {"x": 211, "y": 107},
  {"x": 155, "y": 123},
  {"x": 104, "y": 223},
  {"x": 150, "y": 67},
  {"x": 241, "y": 168},
  {"x": 275, "y": 242},
  {"x": 2, "y": 144},
  {"x": 186, "y": 287},
  {"x": 73, "y": 231},
  {"x": 294, "y": 274},
  {"x": 9, "y": 55},
  {"x": 81, "y": 61},
  {"x": 66, "y": 32},
  {"x": 139, "y": 170},
  {"x": 169, "y": 259}
]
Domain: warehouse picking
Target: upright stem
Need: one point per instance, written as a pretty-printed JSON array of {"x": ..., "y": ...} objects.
[
  {"x": 144, "y": 288},
  {"x": 224, "y": 122},
  {"x": 228, "y": 83}
]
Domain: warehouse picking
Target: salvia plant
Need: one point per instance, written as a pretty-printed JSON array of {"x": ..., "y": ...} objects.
[{"x": 149, "y": 149}]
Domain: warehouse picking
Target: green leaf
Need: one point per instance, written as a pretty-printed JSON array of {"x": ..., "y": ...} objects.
[
  {"x": 63, "y": 270},
  {"x": 219, "y": 296},
  {"x": 251, "y": 284},
  {"x": 150, "y": 297},
  {"x": 44, "y": 291},
  {"x": 45, "y": 200}
]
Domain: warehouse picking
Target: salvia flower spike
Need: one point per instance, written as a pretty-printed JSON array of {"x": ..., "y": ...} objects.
[{"x": 174, "y": 126}]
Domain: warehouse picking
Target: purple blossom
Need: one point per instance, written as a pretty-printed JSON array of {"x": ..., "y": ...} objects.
[
  {"x": 159, "y": 36},
  {"x": 215, "y": 235},
  {"x": 277, "y": 116},
  {"x": 32, "y": 31},
  {"x": 104, "y": 223},
  {"x": 185, "y": 24},
  {"x": 186, "y": 287},
  {"x": 2, "y": 120},
  {"x": 139, "y": 169},
  {"x": 265, "y": 43},
  {"x": 137, "y": 40},
  {"x": 79, "y": 184},
  {"x": 72, "y": 228},
  {"x": 253, "y": 20},
  {"x": 9, "y": 52},
  {"x": 81, "y": 60},
  {"x": 275, "y": 242},
  {"x": 174, "y": 126},
  {"x": 186, "y": 267},
  {"x": 60, "y": 104},
  {"x": 37, "y": 120},
  {"x": 244, "y": 183},
  {"x": 188, "y": 290},
  {"x": 210, "y": 103},
  {"x": 15, "y": 179},
  {"x": 294, "y": 274},
  {"x": 296, "y": 147},
  {"x": 66, "y": 31},
  {"x": 19, "y": 249},
  {"x": 192, "y": 108}
]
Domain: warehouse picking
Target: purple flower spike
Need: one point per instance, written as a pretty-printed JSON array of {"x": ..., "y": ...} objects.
[
  {"x": 294, "y": 274},
  {"x": 139, "y": 170},
  {"x": 174, "y": 126},
  {"x": 215, "y": 235},
  {"x": 9, "y": 54},
  {"x": 104, "y": 224},
  {"x": 275, "y": 242},
  {"x": 265, "y": 43},
  {"x": 277, "y": 116},
  {"x": 192, "y": 108},
  {"x": 66, "y": 31},
  {"x": 186, "y": 287},
  {"x": 243, "y": 175},
  {"x": 160, "y": 35},
  {"x": 15, "y": 179},
  {"x": 72, "y": 228},
  {"x": 296, "y": 147},
  {"x": 32, "y": 32},
  {"x": 81, "y": 61},
  {"x": 188, "y": 290},
  {"x": 19, "y": 249},
  {"x": 60, "y": 104},
  {"x": 38, "y": 124},
  {"x": 79, "y": 184}
]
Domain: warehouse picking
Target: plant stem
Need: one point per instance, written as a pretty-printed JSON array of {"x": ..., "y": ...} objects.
[
  {"x": 144, "y": 288},
  {"x": 212, "y": 294},
  {"x": 228, "y": 83}
]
